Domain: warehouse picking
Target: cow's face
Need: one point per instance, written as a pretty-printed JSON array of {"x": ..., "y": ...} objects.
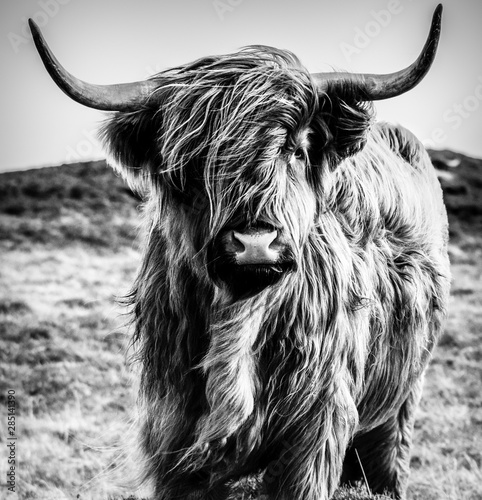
[
  {"x": 238, "y": 158},
  {"x": 236, "y": 149},
  {"x": 264, "y": 213}
]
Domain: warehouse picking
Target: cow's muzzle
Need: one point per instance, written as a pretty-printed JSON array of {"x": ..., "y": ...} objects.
[
  {"x": 253, "y": 247},
  {"x": 249, "y": 259}
]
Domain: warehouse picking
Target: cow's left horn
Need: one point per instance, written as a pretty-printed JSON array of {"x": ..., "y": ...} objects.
[
  {"x": 117, "y": 97},
  {"x": 377, "y": 87}
]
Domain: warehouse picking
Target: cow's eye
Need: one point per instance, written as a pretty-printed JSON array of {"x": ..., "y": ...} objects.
[{"x": 299, "y": 153}]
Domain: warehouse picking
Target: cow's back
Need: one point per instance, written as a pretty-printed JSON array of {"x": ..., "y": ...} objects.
[{"x": 392, "y": 187}]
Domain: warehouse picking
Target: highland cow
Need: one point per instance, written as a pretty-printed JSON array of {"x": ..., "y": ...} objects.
[{"x": 295, "y": 274}]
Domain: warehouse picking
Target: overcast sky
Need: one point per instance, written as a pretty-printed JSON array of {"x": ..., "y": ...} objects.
[{"x": 111, "y": 41}]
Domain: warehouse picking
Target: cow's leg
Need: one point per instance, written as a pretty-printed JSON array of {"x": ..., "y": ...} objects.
[
  {"x": 384, "y": 452},
  {"x": 314, "y": 478},
  {"x": 196, "y": 487},
  {"x": 220, "y": 492},
  {"x": 309, "y": 462},
  {"x": 287, "y": 481}
]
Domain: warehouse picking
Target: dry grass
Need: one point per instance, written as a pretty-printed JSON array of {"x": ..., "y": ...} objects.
[
  {"x": 66, "y": 239},
  {"x": 62, "y": 351}
]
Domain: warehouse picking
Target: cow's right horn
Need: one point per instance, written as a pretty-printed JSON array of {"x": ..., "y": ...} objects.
[
  {"x": 377, "y": 87},
  {"x": 116, "y": 97}
]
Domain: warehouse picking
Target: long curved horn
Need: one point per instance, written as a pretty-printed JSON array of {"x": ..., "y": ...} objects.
[
  {"x": 117, "y": 97},
  {"x": 377, "y": 87}
]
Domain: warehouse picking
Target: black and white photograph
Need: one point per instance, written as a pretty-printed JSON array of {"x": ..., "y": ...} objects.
[{"x": 241, "y": 250}]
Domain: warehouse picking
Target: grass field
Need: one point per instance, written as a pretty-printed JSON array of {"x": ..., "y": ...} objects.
[{"x": 68, "y": 249}]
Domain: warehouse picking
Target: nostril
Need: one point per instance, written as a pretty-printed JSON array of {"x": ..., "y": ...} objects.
[{"x": 234, "y": 243}]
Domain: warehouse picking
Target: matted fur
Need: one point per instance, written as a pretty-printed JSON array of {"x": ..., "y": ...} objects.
[{"x": 330, "y": 358}]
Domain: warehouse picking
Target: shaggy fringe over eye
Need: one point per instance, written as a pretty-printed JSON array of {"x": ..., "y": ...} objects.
[
  {"x": 227, "y": 116},
  {"x": 218, "y": 114}
]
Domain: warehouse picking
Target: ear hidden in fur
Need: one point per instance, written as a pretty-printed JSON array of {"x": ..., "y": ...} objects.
[
  {"x": 348, "y": 120},
  {"x": 130, "y": 141}
]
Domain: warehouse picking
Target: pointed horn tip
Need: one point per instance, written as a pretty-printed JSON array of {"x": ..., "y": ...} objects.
[
  {"x": 34, "y": 29},
  {"x": 437, "y": 15},
  {"x": 437, "y": 20},
  {"x": 36, "y": 33},
  {"x": 434, "y": 34}
]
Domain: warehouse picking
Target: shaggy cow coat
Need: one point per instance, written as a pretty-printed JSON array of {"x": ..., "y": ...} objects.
[{"x": 283, "y": 376}]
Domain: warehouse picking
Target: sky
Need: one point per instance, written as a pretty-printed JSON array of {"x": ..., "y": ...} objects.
[{"x": 113, "y": 41}]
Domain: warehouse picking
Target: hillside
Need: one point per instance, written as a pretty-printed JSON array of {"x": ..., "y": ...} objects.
[
  {"x": 88, "y": 203},
  {"x": 461, "y": 180},
  {"x": 83, "y": 202},
  {"x": 69, "y": 246}
]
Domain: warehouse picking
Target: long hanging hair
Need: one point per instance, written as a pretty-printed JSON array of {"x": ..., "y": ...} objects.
[{"x": 223, "y": 382}]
